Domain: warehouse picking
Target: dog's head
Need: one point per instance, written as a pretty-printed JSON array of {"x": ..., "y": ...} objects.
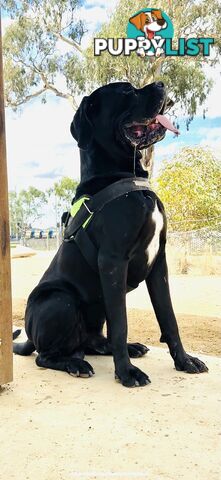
[
  {"x": 118, "y": 117},
  {"x": 149, "y": 22}
]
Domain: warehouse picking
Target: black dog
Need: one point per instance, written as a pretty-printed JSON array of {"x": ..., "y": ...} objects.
[{"x": 66, "y": 312}]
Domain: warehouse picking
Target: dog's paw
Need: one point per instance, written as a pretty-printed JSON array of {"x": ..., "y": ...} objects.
[
  {"x": 136, "y": 350},
  {"x": 191, "y": 365},
  {"x": 133, "y": 377},
  {"x": 79, "y": 368}
]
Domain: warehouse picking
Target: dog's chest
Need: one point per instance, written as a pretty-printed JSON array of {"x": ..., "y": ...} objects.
[{"x": 154, "y": 244}]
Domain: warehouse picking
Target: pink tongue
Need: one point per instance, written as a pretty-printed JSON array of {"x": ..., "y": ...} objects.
[{"x": 167, "y": 124}]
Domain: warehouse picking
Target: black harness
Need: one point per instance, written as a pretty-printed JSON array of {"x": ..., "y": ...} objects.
[{"x": 75, "y": 226}]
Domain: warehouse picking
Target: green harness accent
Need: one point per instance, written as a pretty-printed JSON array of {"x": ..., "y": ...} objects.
[
  {"x": 76, "y": 207},
  {"x": 84, "y": 209}
]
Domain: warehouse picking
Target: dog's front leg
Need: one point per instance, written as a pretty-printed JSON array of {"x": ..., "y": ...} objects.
[
  {"x": 113, "y": 275},
  {"x": 158, "y": 287}
]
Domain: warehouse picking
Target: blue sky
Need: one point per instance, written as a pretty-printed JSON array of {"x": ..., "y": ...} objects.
[
  {"x": 40, "y": 148},
  {"x": 203, "y": 132}
]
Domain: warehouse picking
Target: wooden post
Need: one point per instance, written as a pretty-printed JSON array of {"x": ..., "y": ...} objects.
[{"x": 6, "y": 371}]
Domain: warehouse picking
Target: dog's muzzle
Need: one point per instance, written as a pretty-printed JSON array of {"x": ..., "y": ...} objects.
[{"x": 149, "y": 131}]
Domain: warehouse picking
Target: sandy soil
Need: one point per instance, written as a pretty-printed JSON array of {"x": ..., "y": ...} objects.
[
  {"x": 56, "y": 427},
  {"x": 196, "y": 300}
]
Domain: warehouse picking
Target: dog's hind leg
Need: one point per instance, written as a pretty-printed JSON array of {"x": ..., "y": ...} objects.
[
  {"x": 25, "y": 348},
  {"x": 99, "y": 345},
  {"x": 96, "y": 343},
  {"x": 73, "y": 365},
  {"x": 55, "y": 323}
]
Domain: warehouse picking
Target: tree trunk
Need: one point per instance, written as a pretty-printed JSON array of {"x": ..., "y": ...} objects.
[{"x": 5, "y": 269}]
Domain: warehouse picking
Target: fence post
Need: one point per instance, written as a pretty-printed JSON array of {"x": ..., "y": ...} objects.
[{"x": 6, "y": 371}]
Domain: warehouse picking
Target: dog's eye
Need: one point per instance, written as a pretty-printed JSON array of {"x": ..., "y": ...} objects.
[
  {"x": 147, "y": 20},
  {"x": 154, "y": 18}
]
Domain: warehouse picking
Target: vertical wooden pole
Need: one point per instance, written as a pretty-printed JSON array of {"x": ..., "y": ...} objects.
[{"x": 6, "y": 371}]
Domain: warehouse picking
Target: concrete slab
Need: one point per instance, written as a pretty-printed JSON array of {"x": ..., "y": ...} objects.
[{"x": 56, "y": 427}]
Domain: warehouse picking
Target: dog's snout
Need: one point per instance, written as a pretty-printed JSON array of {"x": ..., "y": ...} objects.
[{"x": 160, "y": 84}]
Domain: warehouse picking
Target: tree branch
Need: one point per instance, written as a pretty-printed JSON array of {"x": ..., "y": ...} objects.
[
  {"x": 58, "y": 93},
  {"x": 47, "y": 86},
  {"x": 26, "y": 99},
  {"x": 68, "y": 41},
  {"x": 67, "y": 96}
]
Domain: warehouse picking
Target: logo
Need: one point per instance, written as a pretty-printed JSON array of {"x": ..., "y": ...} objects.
[{"x": 150, "y": 33}]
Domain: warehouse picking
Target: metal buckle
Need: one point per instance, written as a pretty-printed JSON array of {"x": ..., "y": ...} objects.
[{"x": 91, "y": 213}]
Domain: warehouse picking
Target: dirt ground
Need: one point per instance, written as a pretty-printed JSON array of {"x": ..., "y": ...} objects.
[
  {"x": 196, "y": 301},
  {"x": 57, "y": 427}
]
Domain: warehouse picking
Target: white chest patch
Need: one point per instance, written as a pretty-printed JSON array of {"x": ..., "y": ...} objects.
[{"x": 153, "y": 246}]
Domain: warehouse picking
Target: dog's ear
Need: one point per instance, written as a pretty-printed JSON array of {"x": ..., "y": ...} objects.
[
  {"x": 138, "y": 20},
  {"x": 81, "y": 126}
]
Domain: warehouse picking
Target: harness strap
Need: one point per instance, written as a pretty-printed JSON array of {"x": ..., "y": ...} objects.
[
  {"x": 75, "y": 229},
  {"x": 115, "y": 190},
  {"x": 99, "y": 200},
  {"x": 87, "y": 248}
]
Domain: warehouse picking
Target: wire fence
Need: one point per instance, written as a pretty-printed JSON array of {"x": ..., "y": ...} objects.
[
  {"x": 195, "y": 251},
  {"x": 197, "y": 241}
]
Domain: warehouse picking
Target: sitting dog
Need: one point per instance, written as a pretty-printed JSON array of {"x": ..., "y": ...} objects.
[{"x": 66, "y": 312}]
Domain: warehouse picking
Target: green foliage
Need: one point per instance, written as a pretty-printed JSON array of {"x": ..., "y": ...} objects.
[
  {"x": 33, "y": 61},
  {"x": 189, "y": 187},
  {"x": 65, "y": 189},
  {"x": 184, "y": 77},
  {"x": 62, "y": 193},
  {"x": 25, "y": 207},
  {"x": 75, "y": 74}
]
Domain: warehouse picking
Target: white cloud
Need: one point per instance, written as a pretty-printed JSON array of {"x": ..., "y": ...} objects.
[
  {"x": 212, "y": 103},
  {"x": 95, "y": 16},
  {"x": 38, "y": 142},
  {"x": 100, "y": 3},
  {"x": 211, "y": 138},
  {"x": 210, "y": 134},
  {"x": 6, "y": 22},
  {"x": 214, "y": 145},
  {"x": 167, "y": 150},
  {"x": 162, "y": 152}
]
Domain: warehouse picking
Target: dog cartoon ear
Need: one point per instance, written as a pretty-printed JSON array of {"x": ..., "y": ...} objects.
[
  {"x": 157, "y": 14},
  {"x": 159, "y": 17},
  {"x": 81, "y": 126},
  {"x": 138, "y": 20}
]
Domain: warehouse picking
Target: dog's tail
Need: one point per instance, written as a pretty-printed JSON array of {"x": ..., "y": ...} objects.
[
  {"x": 16, "y": 334},
  {"x": 25, "y": 348}
]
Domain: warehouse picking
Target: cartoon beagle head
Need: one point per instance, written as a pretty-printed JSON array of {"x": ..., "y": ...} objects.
[{"x": 149, "y": 22}]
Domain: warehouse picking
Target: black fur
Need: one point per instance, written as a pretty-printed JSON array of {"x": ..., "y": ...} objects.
[{"x": 66, "y": 312}]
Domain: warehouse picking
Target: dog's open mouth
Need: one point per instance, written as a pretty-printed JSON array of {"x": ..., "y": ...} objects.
[{"x": 144, "y": 134}]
